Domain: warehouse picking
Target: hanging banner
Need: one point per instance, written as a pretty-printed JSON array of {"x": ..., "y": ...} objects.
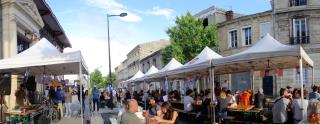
[
  {"x": 280, "y": 72},
  {"x": 262, "y": 73}
]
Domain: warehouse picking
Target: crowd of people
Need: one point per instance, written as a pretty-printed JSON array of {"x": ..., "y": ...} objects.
[
  {"x": 294, "y": 106},
  {"x": 157, "y": 104}
]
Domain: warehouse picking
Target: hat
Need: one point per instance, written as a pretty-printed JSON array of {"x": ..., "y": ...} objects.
[{"x": 94, "y": 86}]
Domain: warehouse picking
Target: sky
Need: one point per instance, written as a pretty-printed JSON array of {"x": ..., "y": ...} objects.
[{"x": 85, "y": 23}]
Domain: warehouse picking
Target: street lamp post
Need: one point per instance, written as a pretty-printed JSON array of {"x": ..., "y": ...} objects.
[{"x": 121, "y": 15}]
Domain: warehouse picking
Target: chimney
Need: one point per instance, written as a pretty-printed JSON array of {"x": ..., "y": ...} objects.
[{"x": 229, "y": 15}]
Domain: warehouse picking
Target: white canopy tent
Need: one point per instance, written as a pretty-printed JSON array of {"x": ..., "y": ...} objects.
[
  {"x": 263, "y": 51},
  {"x": 173, "y": 64},
  {"x": 267, "y": 53},
  {"x": 200, "y": 63},
  {"x": 152, "y": 70},
  {"x": 44, "y": 58},
  {"x": 139, "y": 74}
]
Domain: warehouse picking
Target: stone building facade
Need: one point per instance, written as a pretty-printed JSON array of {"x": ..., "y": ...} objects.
[
  {"x": 22, "y": 24},
  {"x": 132, "y": 64},
  {"x": 152, "y": 60},
  {"x": 292, "y": 22}
]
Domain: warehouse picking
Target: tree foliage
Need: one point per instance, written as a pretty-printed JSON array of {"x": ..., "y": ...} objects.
[
  {"x": 96, "y": 78},
  {"x": 188, "y": 37}
]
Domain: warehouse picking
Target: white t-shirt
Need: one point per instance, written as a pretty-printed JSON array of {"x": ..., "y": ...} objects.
[
  {"x": 225, "y": 85},
  {"x": 279, "y": 110},
  {"x": 296, "y": 107},
  {"x": 187, "y": 102}
]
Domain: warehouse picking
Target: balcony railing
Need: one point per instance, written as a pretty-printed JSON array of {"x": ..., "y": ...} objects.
[{"x": 299, "y": 40}]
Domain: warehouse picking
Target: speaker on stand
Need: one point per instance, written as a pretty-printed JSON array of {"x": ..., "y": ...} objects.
[{"x": 5, "y": 89}]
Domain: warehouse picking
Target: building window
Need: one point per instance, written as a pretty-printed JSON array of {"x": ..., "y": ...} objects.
[
  {"x": 298, "y": 2},
  {"x": 247, "y": 36},
  {"x": 233, "y": 39},
  {"x": 305, "y": 75},
  {"x": 300, "y": 31},
  {"x": 205, "y": 22},
  {"x": 154, "y": 62},
  {"x": 22, "y": 45}
]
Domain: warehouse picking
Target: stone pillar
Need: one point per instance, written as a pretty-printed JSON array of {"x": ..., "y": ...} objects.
[{"x": 9, "y": 42}]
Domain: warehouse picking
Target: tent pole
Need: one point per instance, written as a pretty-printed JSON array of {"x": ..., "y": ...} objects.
[
  {"x": 312, "y": 80},
  {"x": 211, "y": 78},
  {"x": 301, "y": 83},
  {"x": 252, "y": 79},
  {"x": 81, "y": 91}
]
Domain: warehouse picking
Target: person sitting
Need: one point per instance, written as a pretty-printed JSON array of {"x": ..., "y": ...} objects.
[
  {"x": 205, "y": 109},
  {"x": 188, "y": 101},
  {"x": 231, "y": 99},
  {"x": 129, "y": 117},
  {"x": 154, "y": 108},
  {"x": 259, "y": 99},
  {"x": 168, "y": 115}
]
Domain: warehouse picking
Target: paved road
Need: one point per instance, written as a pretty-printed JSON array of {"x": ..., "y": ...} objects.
[{"x": 75, "y": 119}]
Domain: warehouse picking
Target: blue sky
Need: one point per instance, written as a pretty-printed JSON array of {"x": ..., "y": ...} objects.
[{"x": 85, "y": 23}]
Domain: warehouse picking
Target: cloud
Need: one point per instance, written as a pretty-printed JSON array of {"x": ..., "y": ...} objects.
[
  {"x": 95, "y": 52},
  {"x": 114, "y": 7},
  {"x": 157, "y": 11},
  {"x": 93, "y": 41}
]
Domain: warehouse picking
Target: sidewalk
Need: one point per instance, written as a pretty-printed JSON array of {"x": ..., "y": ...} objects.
[{"x": 95, "y": 119}]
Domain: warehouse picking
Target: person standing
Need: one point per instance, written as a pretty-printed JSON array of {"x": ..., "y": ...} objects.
[
  {"x": 259, "y": 99},
  {"x": 59, "y": 100},
  {"x": 315, "y": 94},
  {"x": 95, "y": 98},
  {"x": 280, "y": 106},
  {"x": 188, "y": 101},
  {"x": 299, "y": 111},
  {"x": 67, "y": 103}
]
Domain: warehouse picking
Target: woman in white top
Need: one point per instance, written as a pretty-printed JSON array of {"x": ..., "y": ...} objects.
[{"x": 299, "y": 111}]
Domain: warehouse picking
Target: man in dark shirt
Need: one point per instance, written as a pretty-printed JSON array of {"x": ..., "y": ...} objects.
[
  {"x": 259, "y": 99},
  {"x": 154, "y": 109}
]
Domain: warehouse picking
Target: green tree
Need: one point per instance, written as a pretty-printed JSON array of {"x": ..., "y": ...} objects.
[
  {"x": 107, "y": 78},
  {"x": 97, "y": 79},
  {"x": 188, "y": 37}
]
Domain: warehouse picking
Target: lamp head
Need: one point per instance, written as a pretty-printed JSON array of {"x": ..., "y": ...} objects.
[{"x": 123, "y": 14}]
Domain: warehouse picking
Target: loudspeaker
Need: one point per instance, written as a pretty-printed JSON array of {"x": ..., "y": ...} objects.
[
  {"x": 268, "y": 85},
  {"x": 5, "y": 83},
  {"x": 31, "y": 83}
]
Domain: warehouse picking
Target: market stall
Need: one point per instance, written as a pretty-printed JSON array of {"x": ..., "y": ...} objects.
[
  {"x": 43, "y": 59},
  {"x": 267, "y": 53}
]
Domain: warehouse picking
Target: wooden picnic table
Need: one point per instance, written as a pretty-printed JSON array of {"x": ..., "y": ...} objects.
[
  {"x": 241, "y": 108},
  {"x": 247, "y": 111},
  {"x": 24, "y": 116}
]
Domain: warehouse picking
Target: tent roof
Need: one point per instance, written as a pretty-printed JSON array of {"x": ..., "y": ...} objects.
[
  {"x": 173, "y": 64},
  {"x": 265, "y": 53},
  {"x": 200, "y": 62},
  {"x": 40, "y": 48},
  {"x": 152, "y": 70},
  {"x": 43, "y": 57},
  {"x": 139, "y": 74},
  {"x": 205, "y": 55}
]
